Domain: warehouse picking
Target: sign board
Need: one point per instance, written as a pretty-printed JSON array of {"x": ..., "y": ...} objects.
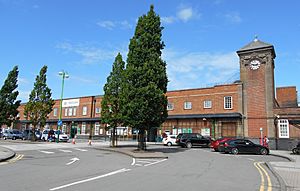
[
  {"x": 59, "y": 123},
  {"x": 70, "y": 103},
  {"x": 205, "y": 132}
]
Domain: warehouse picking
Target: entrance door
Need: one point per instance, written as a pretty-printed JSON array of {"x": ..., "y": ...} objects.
[{"x": 229, "y": 129}]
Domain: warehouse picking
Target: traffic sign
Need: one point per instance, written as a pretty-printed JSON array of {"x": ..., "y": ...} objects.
[{"x": 59, "y": 123}]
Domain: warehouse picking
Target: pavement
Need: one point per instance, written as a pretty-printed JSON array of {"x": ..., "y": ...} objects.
[{"x": 287, "y": 173}]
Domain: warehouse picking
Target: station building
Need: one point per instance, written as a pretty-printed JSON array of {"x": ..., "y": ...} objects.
[{"x": 248, "y": 108}]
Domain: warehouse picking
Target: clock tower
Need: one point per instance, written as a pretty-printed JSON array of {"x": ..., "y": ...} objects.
[{"x": 257, "y": 75}]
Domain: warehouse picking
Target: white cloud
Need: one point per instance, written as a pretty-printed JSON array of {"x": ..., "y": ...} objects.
[
  {"x": 199, "y": 69},
  {"x": 185, "y": 14},
  {"x": 22, "y": 80},
  {"x": 89, "y": 53},
  {"x": 110, "y": 25},
  {"x": 233, "y": 17},
  {"x": 168, "y": 20}
]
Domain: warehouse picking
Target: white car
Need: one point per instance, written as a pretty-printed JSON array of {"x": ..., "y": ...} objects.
[
  {"x": 62, "y": 136},
  {"x": 169, "y": 140}
]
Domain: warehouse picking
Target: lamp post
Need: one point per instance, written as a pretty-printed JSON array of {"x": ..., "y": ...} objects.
[{"x": 64, "y": 75}]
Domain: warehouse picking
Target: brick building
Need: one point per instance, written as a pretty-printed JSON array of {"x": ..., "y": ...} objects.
[{"x": 246, "y": 108}]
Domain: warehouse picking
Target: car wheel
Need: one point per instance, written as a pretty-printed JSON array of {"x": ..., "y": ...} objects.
[
  {"x": 235, "y": 151},
  {"x": 189, "y": 145},
  {"x": 13, "y": 138},
  {"x": 4, "y": 138},
  {"x": 169, "y": 144},
  {"x": 263, "y": 151},
  {"x": 294, "y": 151}
]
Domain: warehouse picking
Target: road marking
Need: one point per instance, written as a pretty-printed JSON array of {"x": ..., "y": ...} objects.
[
  {"x": 263, "y": 172},
  {"x": 156, "y": 162},
  {"x": 133, "y": 161},
  {"x": 251, "y": 159},
  {"x": 90, "y": 179},
  {"x": 13, "y": 160},
  {"x": 46, "y": 152},
  {"x": 65, "y": 151},
  {"x": 83, "y": 150},
  {"x": 73, "y": 160}
]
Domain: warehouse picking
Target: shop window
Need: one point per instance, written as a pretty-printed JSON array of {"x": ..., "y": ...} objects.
[{"x": 83, "y": 128}]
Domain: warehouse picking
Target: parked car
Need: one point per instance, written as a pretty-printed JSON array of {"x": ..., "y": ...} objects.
[
  {"x": 189, "y": 140},
  {"x": 48, "y": 135},
  {"x": 28, "y": 135},
  {"x": 62, "y": 136},
  {"x": 296, "y": 150},
  {"x": 215, "y": 144},
  {"x": 169, "y": 140},
  {"x": 236, "y": 146},
  {"x": 12, "y": 134}
]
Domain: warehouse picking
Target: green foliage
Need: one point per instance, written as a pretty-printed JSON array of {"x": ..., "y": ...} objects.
[
  {"x": 8, "y": 96},
  {"x": 40, "y": 102},
  {"x": 110, "y": 113},
  {"x": 143, "y": 96}
]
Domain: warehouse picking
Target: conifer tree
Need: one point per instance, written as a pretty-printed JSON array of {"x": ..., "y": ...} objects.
[
  {"x": 110, "y": 113},
  {"x": 144, "y": 103},
  {"x": 40, "y": 102},
  {"x": 8, "y": 96}
]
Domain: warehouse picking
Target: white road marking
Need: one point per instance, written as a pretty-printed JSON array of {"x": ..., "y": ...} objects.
[
  {"x": 156, "y": 162},
  {"x": 83, "y": 150},
  {"x": 47, "y": 152},
  {"x": 133, "y": 161},
  {"x": 73, "y": 160},
  {"x": 65, "y": 151},
  {"x": 90, "y": 179},
  {"x": 251, "y": 159}
]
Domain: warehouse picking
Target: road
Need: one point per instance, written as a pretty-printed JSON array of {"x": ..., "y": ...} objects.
[{"x": 85, "y": 168}]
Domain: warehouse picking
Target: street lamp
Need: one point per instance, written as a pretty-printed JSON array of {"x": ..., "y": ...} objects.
[{"x": 64, "y": 75}]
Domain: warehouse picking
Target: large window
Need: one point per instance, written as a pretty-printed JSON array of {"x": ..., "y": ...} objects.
[
  {"x": 207, "y": 104},
  {"x": 283, "y": 128},
  {"x": 170, "y": 106},
  {"x": 227, "y": 102},
  {"x": 55, "y": 112},
  {"x": 187, "y": 105},
  {"x": 66, "y": 111},
  {"x": 74, "y": 111},
  {"x": 70, "y": 111},
  {"x": 83, "y": 128},
  {"x": 84, "y": 110}
]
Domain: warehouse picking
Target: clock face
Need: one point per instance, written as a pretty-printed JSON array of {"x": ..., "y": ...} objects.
[{"x": 254, "y": 64}]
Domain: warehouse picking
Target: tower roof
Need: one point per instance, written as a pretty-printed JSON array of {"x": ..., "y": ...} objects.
[{"x": 256, "y": 45}]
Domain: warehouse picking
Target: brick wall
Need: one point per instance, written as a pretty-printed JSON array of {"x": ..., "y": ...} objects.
[{"x": 287, "y": 96}]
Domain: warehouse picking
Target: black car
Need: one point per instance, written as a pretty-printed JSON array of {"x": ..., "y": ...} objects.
[
  {"x": 237, "y": 146},
  {"x": 189, "y": 140}
]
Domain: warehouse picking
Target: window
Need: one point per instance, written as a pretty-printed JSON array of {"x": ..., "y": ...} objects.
[
  {"x": 283, "y": 128},
  {"x": 66, "y": 111},
  {"x": 227, "y": 102},
  {"x": 207, "y": 104},
  {"x": 74, "y": 111},
  {"x": 84, "y": 110},
  {"x": 98, "y": 110},
  {"x": 97, "y": 128},
  {"x": 83, "y": 128},
  {"x": 170, "y": 106},
  {"x": 55, "y": 112},
  {"x": 187, "y": 105},
  {"x": 70, "y": 111}
]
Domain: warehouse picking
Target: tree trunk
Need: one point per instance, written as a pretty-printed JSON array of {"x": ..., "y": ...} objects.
[{"x": 141, "y": 140}]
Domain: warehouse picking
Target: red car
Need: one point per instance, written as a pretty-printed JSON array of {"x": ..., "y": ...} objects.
[{"x": 215, "y": 144}]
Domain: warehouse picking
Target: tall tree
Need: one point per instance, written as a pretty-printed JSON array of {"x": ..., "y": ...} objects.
[
  {"x": 40, "y": 102},
  {"x": 8, "y": 96},
  {"x": 110, "y": 113},
  {"x": 144, "y": 104}
]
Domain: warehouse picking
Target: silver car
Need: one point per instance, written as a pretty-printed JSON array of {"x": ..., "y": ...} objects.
[{"x": 12, "y": 134}]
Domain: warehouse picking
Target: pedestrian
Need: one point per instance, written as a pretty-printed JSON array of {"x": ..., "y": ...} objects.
[{"x": 266, "y": 142}]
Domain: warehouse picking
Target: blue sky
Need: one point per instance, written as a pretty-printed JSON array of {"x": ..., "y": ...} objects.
[{"x": 201, "y": 37}]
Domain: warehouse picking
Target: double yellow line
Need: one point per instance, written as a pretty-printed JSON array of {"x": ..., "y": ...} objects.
[
  {"x": 263, "y": 173},
  {"x": 13, "y": 160}
]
